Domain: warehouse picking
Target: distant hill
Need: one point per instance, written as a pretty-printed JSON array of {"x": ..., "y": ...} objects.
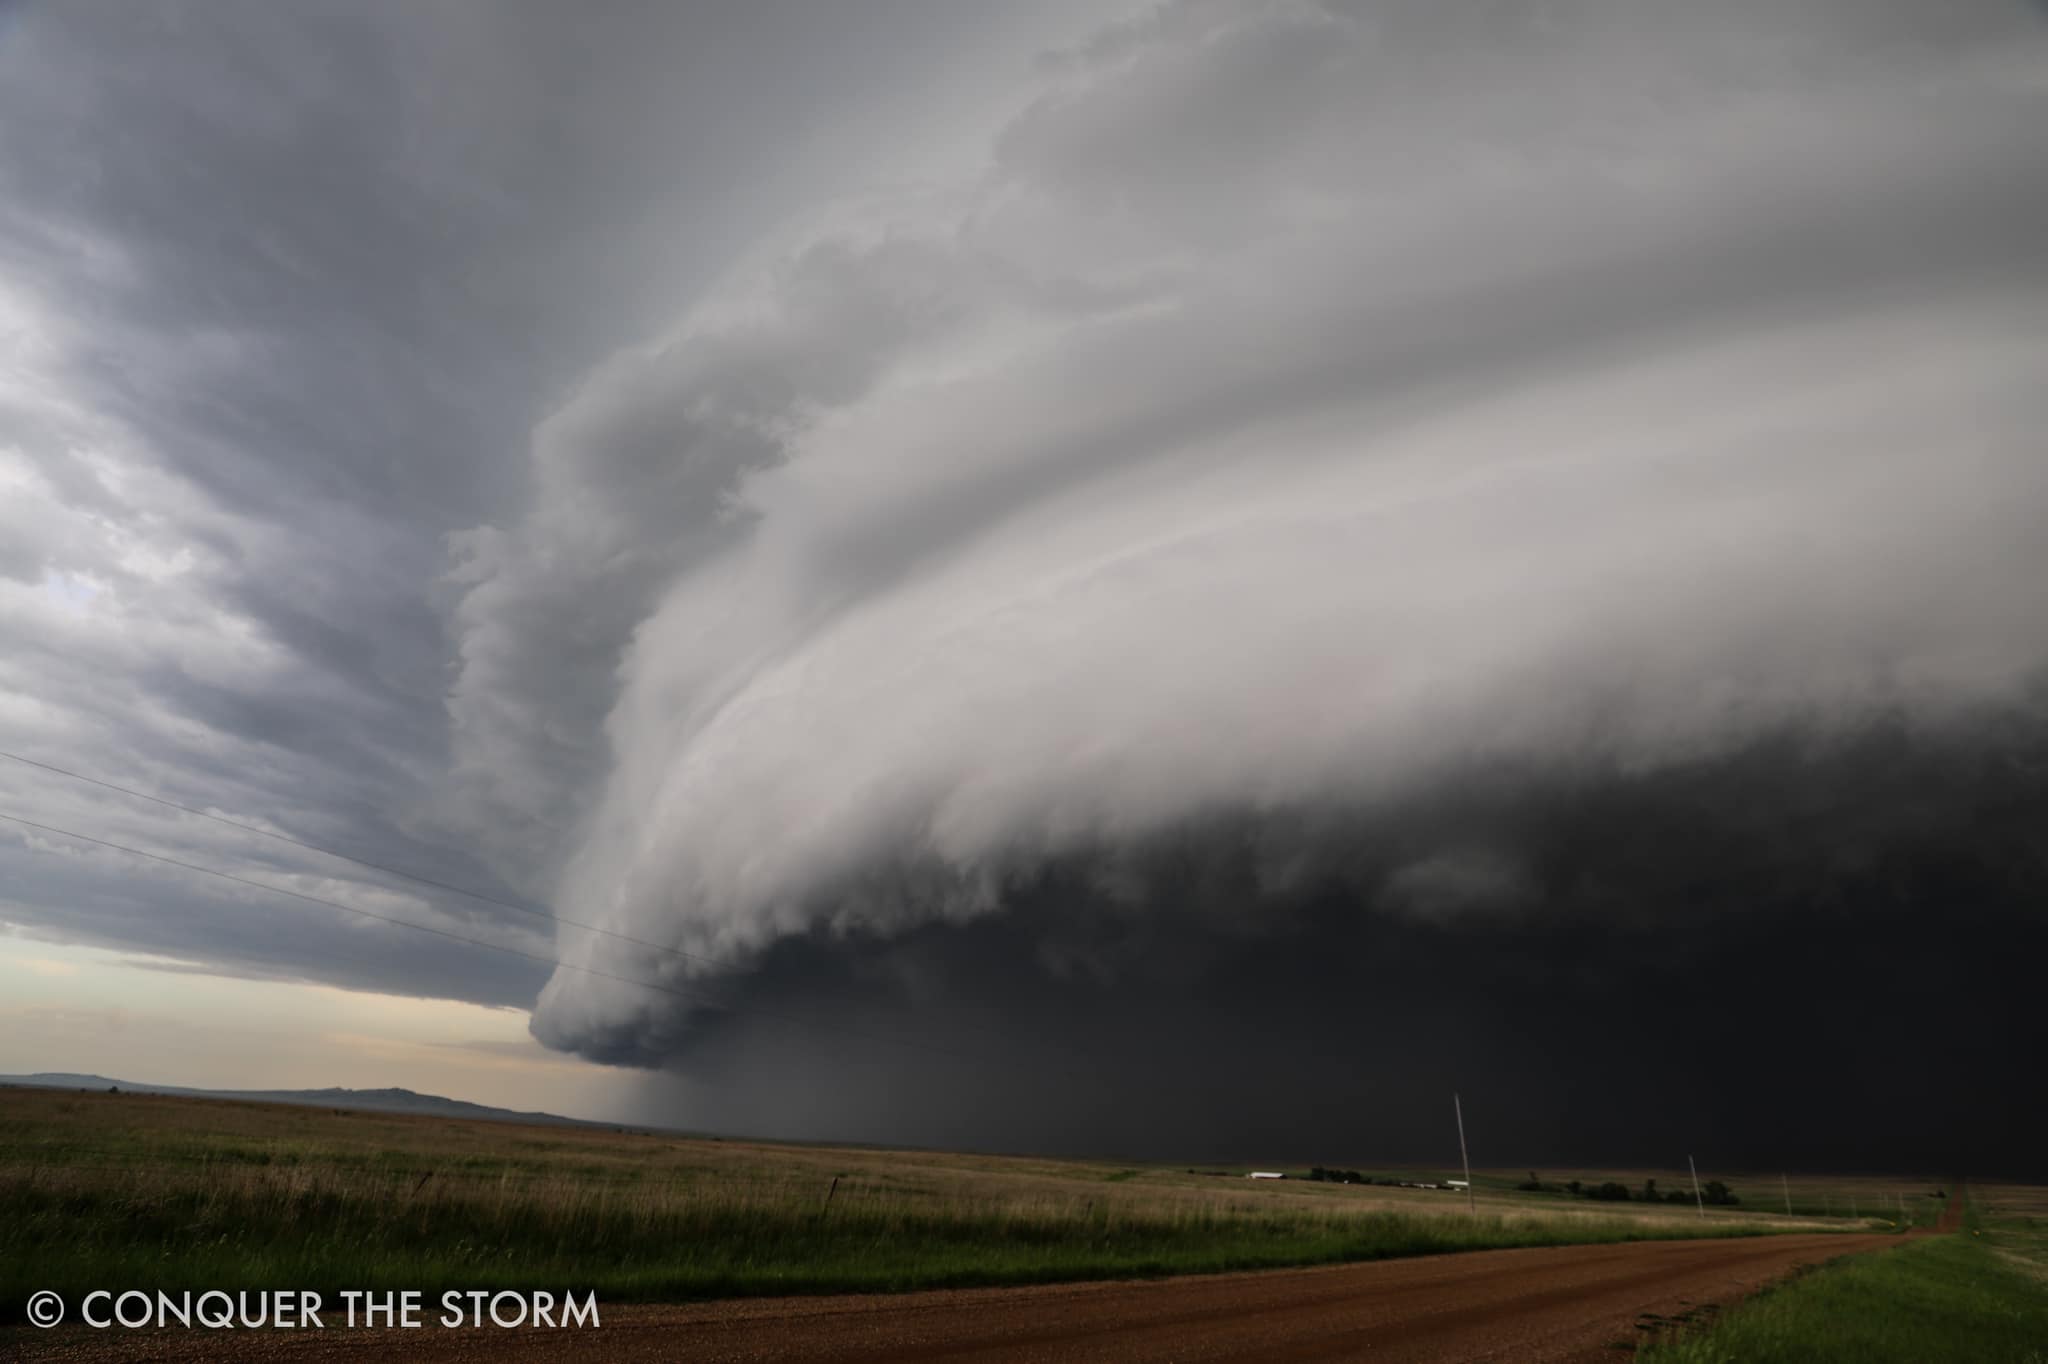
[{"x": 374, "y": 1100}]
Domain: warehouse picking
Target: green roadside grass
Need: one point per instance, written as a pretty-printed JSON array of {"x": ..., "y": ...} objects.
[{"x": 1980, "y": 1295}]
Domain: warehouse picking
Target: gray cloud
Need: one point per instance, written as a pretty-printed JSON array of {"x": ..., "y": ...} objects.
[
  {"x": 283, "y": 299},
  {"x": 1775, "y": 957},
  {"x": 818, "y": 488},
  {"x": 1331, "y": 397}
]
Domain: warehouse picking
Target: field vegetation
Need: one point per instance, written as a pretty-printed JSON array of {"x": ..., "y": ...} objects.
[
  {"x": 170, "y": 1193},
  {"x": 1864, "y": 1202},
  {"x": 1981, "y": 1295}
]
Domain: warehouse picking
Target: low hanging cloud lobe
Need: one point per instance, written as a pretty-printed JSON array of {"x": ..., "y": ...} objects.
[
  {"x": 1362, "y": 548},
  {"x": 1188, "y": 595}
]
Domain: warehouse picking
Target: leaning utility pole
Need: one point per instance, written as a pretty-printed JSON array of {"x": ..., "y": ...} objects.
[
  {"x": 1696, "y": 1197},
  {"x": 1471, "y": 1203}
]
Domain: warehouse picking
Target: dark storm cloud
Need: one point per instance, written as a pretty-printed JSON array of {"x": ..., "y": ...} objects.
[
  {"x": 1420, "y": 552},
  {"x": 1630, "y": 384},
  {"x": 1796, "y": 955}
]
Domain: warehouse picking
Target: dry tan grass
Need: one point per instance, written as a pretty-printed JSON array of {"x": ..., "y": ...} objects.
[
  {"x": 1829, "y": 1201},
  {"x": 281, "y": 1152},
  {"x": 101, "y": 1186},
  {"x": 283, "y": 1155},
  {"x": 168, "y": 1138}
]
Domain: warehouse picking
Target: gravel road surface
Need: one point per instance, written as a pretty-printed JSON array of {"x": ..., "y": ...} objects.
[{"x": 1558, "y": 1303}]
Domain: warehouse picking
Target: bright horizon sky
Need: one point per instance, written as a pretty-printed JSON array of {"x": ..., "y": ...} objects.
[{"x": 95, "y": 1011}]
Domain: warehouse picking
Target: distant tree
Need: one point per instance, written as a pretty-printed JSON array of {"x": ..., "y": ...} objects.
[
  {"x": 1610, "y": 1192},
  {"x": 1573, "y": 1186},
  {"x": 1532, "y": 1184},
  {"x": 1719, "y": 1194},
  {"x": 1650, "y": 1194}
]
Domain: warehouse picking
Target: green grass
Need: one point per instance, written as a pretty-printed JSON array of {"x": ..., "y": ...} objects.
[
  {"x": 1981, "y": 1295},
  {"x": 155, "y": 1193}
]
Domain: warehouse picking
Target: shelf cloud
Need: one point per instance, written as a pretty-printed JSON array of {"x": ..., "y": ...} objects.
[
  {"x": 1009, "y": 558},
  {"x": 1295, "y": 410}
]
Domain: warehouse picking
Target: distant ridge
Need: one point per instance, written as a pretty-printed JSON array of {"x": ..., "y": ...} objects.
[{"x": 370, "y": 1100}]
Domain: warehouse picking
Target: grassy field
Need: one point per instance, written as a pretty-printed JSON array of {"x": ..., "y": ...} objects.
[
  {"x": 1981, "y": 1296},
  {"x": 169, "y": 1193},
  {"x": 1865, "y": 1202}
]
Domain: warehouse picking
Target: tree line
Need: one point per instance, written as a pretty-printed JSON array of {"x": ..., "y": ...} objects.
[{"x": 1713, "y": 1191}]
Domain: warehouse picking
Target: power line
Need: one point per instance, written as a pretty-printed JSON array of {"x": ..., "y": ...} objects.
[
  {"x": 482, "y": 896},
  {"x": 691, "y": 995}
]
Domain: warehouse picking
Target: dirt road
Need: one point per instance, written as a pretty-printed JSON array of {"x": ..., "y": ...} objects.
[{"x": 1560, "y": 1303}]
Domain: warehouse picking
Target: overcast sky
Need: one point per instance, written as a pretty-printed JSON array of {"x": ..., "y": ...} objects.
[{"x": 1032, "y": 553}]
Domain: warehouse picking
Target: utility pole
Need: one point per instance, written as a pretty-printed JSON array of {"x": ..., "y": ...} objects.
[
  {"x": 1788, "y": 1194},
  {"x": 1696, "y": 1196},
  {"x": 1471, "y": 1203}
]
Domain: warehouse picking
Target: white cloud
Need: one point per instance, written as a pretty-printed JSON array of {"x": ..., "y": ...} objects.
[{"x": 1300, "y": 400}]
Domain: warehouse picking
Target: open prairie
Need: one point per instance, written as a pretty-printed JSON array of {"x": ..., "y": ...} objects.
[
  {"x": 167, "y": 1192},
  {"x": 170, "y": 1193}
]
